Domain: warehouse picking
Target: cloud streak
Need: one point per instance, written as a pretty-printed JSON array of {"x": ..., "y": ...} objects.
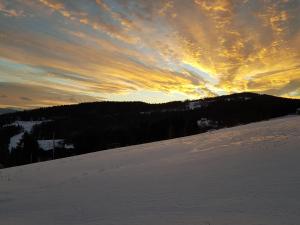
[
  {"x": 124, "y": 49},
  {"x": 7, "y": 9}
]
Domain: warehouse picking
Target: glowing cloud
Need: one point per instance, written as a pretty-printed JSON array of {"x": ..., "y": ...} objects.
[{"x": 138, "y": 50}]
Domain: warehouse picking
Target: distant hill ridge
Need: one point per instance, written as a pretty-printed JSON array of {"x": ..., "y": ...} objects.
[
  {"x": 7, "y": 110},
  {"x": 111, "y": 106},
  {"x": 89, "y": 127}
]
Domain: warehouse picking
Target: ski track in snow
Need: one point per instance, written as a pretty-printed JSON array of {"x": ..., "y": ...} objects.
[{"x": 246, "y": 175}]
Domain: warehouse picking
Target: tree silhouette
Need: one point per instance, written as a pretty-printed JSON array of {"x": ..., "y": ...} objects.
[{"x": 27, "y": 150}]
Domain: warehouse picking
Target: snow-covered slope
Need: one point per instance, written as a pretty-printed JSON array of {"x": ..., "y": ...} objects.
[
  {"x": 26, "y": 126},
  {"x": 247, "y": 175}
]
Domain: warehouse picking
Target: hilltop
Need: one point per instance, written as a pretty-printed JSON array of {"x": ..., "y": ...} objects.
[{"x": 62, "y": 131}]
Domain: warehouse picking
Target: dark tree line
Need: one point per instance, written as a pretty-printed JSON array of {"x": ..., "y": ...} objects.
[
  {"x": 27, "y": 151},
  {"x": 5, "y": 134},
  {"x": 104, "y": 125}
]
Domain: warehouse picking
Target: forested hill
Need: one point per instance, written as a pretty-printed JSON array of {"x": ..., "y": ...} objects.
[{"x": 89, "y": 127}]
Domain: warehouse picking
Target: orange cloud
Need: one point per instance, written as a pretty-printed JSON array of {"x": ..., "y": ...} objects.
[
  {"x": 83, "y": 18},
  {"x": 9, "y": 11},
  {"x": 191, "y": 48}
]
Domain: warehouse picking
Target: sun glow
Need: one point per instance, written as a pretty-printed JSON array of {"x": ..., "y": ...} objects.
[{"x": 54, "y": 52}]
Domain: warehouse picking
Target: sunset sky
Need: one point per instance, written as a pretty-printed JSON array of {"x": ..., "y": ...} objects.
[{"x": 56, "y": 52}]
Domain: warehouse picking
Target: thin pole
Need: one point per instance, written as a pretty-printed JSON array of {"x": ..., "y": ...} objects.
[{"x": 53, "y": 145}]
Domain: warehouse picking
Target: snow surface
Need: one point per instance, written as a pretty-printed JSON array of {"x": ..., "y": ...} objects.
[
  {"x": 246, "y": 175},
  {"x": 26, "y": 126},
  {"x": 69, "y": 146},
  {"x": 47, "y": 145},
  {"x": 234, "y": 99},
  {"x": 194, "y": 105},
  {"x": 14, "y": 141},
  {"x": 204, "y": 122}
]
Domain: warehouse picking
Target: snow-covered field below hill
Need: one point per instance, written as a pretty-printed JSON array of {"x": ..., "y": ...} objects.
[{"x": 246, "y": 175}]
